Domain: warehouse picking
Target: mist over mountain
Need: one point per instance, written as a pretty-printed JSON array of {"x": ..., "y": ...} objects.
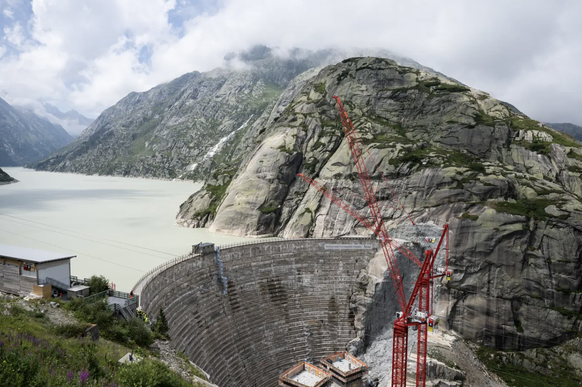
[
  {"x": 188, "y": 127},
  {"x": 26, "y": 137},
  {"x": 73, "y": 121}
]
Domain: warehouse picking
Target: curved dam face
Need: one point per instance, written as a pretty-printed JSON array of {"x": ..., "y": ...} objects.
[{"x": 285, "y": 301}]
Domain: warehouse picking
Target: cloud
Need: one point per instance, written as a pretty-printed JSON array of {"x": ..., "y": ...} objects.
[
  {"x": 8, "y": 13},
  {"x": 87, "y": 55}
]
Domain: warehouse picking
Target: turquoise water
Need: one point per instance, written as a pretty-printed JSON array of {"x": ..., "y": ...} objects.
[{"x": 118, "y": 227}]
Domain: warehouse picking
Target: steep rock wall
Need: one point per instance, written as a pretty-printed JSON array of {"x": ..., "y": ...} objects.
[{"x": 286, "y": 301}]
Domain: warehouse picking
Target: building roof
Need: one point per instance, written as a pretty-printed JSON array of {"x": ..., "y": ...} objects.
[
  {"x": 78, "y": 288},
  {"x": 31, "y": 255}
]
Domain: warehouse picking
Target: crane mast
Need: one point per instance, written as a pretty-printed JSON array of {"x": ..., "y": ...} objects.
[{"x": 423, "y": 284}]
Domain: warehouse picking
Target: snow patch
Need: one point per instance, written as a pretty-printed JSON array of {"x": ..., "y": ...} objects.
[{"x": 221, "y": 142}]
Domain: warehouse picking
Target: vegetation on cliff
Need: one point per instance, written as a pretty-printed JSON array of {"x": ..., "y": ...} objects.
[{"x": 35, "y": 351}]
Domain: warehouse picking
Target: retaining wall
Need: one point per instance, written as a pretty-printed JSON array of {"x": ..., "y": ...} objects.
[{"x": 286, "y": 301}]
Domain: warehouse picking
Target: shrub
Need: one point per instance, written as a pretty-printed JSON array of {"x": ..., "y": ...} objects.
[
  {"x": 466, "y": 215},
  {"x": 162, "y": 323},
  {"x": 98, "y": 284},
  {"x": 71, "y": 330},
  {"x": 140, "y": 333}
]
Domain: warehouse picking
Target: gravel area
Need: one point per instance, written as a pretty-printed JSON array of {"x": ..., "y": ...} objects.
[{"x": 178, "y": 364}]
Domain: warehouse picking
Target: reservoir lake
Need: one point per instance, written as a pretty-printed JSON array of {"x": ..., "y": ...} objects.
[{"x": 117, "y": 227}]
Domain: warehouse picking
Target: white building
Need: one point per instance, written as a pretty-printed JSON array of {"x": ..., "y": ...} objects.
[{"x": 23, "y": 269}]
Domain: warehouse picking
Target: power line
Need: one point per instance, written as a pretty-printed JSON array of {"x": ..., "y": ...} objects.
[
  {"x": 92, "y": 236},
  {"x": 78, "y": 252}
]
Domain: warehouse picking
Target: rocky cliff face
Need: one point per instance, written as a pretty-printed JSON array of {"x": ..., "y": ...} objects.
[
  {"x": 509, "y": 187},
  {"x": 25, "y": 137}
]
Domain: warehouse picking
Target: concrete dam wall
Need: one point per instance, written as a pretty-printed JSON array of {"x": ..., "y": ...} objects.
[{"x": 284, "y": 301}]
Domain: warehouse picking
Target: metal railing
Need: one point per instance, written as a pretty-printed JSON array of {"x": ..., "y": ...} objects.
[
  {"x": 84, "y": 281},
  {"x": 96, "y": 297},
  {"x": 161, "y": 267},
  {"x": 145, "y": 279}
]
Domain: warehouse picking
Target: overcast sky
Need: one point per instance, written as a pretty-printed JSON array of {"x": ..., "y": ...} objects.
[{"x": 88, "y": 54}]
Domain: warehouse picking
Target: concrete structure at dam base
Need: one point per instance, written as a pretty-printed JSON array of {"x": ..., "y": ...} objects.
[{"x": 337, "y": 370}]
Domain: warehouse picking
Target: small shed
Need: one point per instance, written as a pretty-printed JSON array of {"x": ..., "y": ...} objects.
[
  {"x": 203, "y": 248},
  {"x": 21, "y": 269}
]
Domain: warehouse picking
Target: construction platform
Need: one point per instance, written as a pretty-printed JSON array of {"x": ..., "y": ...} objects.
[{"x": 340, "y": 369}]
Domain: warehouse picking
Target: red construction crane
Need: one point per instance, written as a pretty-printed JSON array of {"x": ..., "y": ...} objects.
[{"x": 422, "y": 289}]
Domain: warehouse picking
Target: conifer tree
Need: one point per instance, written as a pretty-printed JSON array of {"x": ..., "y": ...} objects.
[{"x": 162, "y": 324}]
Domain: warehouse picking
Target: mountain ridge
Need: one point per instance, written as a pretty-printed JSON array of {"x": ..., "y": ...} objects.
[{"x": 167, "y": 132}]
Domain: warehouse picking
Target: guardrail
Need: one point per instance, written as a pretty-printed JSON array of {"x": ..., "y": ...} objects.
[
  {"x": 96, "y": 297},
  {"x": 84, "y": 281},
  {"x": 145, "y": 279},
  {"x": 161, "y": 267}
]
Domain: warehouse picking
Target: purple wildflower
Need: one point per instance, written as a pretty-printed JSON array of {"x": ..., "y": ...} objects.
[
  {"x": 83, "y": 376},
  {"x": 70, "y": 376}
]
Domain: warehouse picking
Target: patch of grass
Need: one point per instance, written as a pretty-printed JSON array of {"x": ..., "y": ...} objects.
[
  {"x": 269, "y": 209},
  {"x": 318, "y": 145},
  {"x": 412, "y": 156},
  {"x": 466, "y": 215},
  {"x": 573, "y": 155},
  {"x": 482, "y": 118},
  {"x": 432, "y": 82},
  {"x": 311, "y": 165},
  {"x": 216, "y": 193},
  {"x": 319, "y": 87},
  {"x": 35, "y": 353},
  {"x": 331, "y": 124},
  {"x": 531, "y": 208},
  {"x": 517, "y": 376},
  {"x": 541, "y": 147},
  {"x": 451, "y": 88},
  {"x": 460, "y": 159},
  {"x": 566, "y": 312},
  {"x": 525, "y": 123},
  {"x": 386, "y": 140},
  {"x": 284, "y": 149}
]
